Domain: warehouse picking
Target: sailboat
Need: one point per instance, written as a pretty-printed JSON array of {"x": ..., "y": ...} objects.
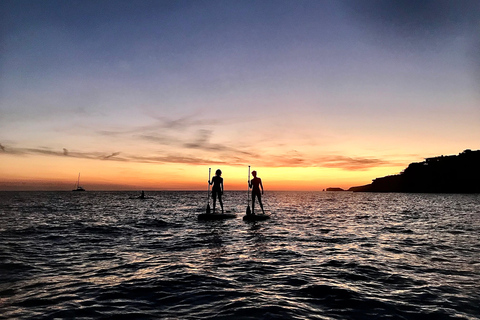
[{"x": 78, "y": 188}]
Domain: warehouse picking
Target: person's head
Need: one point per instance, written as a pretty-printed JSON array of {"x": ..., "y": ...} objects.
[
  {"x": 218, "y": 172},
  {"x": 254, "y": 173}
]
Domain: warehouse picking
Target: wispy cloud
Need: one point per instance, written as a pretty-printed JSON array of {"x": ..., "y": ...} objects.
[
  {"x": 159, "y": 139},
  {"x": 353, "y": 164},
  {"x": 110, "y": 156},
  {"x": 185, "y": 134},
  {"x": 188, "y": 140},
  {"x": 185, "y": 122},
  {"x": 63, "y": 153},
  {"x": 226, "y": 157},
  {"x": 202, "y": 142},
  {"x": 179, "y": 159},
  {"x": 296, "y": 159},
  {"x": 163, "y": 125},
  {"x": 164, "y": 131}
]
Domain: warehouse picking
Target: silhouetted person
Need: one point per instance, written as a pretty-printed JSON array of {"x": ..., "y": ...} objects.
[
  {"x": 255, "y": 184},
  {"x": 217, "y": 188},
  {"x": 142, "y": 196}
]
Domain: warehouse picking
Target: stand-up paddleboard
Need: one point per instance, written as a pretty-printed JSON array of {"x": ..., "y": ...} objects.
[
  {"x": 256, "y": 217},
  {"x": 216, "y": 216}
]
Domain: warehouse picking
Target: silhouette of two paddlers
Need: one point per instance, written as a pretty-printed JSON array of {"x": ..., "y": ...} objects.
[{"x": 217, "y": 191}]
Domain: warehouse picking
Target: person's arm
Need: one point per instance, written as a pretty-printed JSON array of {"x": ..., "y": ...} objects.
[
  {"x": 221, "y": 185},
  {"x": 261, "y": 185}
]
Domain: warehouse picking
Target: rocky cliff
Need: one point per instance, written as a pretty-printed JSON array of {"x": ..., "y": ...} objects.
[{"x": 444, "y": 174}]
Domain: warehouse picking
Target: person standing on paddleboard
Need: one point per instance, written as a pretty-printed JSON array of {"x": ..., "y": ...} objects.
[
  {"x": 255, "y": 184},
  {"x": 217, "y": 188}
]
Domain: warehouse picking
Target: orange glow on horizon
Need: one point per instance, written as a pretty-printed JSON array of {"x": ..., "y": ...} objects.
[{"x": 47, "y": 173}]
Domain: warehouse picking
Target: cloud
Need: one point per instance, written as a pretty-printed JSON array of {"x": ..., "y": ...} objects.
[
  {"x": 199, "y": 150},
  {"x": 296, "y": 159},
  {"x": 2, "y": 147},
  {"x": 177, "y": 133},
  {"x": 202, "y": 142},
  {"x": 41, "y": 151},
  {"x": 165, "y": 131},
  {"x": 230, "y": 157},
  {"x": 413, "y": 18},
  {"x": 178, "y": 159},
  {"x": 110, "y": 156},
  {"x": 352, "y": 164},
  {"x": 184, "y": 122},
  {"x": 158, "y": 138},
  {"x": 63, "y": 153}
]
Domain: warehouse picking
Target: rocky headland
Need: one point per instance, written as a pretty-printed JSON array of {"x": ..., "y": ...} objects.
[{"x": 444, "y": 174}]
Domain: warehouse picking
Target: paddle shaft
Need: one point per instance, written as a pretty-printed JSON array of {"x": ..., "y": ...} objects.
[
  {"x": 248, "y": 187},
  {"x": 248, "y": 193},
  {"x": 209, "y": 174}
]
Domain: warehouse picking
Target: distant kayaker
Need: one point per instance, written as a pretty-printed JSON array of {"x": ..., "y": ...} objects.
[
  {"x": 217, "y": 189},
  {"x": 255, "y": 184}
]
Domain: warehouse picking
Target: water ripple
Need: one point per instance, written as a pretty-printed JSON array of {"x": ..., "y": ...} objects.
[{"x": 321, "y": 256}]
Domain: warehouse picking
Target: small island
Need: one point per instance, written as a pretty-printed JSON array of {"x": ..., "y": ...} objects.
[
  {"x": 444, "y": 174},
  {"x": 335, "y": 189}
]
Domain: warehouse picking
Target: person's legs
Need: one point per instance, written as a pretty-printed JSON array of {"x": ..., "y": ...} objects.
[
  {"x": 260, "y": 202},
  {"x": 214, "y": 196},
  {"x": 220, "y": 200},
  {"x": 253, "y": 203}
]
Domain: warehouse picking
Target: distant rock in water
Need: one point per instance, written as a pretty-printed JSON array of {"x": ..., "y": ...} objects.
[
  {"x": 335, "y": 189},
  {"x": 443, "y": 174}
]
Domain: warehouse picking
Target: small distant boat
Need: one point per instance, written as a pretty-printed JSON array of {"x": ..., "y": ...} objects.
[{"x": 78, "y": 187}]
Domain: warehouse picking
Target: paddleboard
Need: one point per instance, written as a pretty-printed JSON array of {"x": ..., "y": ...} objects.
[
  {"x": 256, "y": 217},
  {"x": 140, "y": 198},
  {"x": 216, "y": 216}
]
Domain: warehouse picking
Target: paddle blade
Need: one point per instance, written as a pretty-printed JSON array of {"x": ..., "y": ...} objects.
[
  {"x": 248, "y": 210},
  {"x": 208, "y": 208}
]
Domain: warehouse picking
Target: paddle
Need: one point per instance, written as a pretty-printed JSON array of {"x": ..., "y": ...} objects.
[
  {"x": 208, "y": 201},
  {"x": 249, "y": 211}
]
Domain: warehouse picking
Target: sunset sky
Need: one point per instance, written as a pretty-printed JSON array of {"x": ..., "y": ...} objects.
[{"x": 312, "y": 94}]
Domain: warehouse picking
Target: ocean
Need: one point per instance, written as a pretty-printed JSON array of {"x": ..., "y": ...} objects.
[{"x": 322, "y": 255}]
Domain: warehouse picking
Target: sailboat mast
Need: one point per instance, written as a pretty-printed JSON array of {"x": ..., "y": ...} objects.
[{"x": 78, "y": 188}]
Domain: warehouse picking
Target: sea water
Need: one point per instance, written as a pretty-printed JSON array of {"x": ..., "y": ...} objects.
[{"x": 322, "y": 255}]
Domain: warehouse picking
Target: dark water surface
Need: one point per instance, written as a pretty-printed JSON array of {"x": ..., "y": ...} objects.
[{"x": 322, "y": 255}]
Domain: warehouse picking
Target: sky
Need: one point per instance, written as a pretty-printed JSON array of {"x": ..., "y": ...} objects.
[{"x": 147, "y": 95}]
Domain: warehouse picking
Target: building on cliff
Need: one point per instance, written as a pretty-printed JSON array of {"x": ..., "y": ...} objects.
[{"x": 444, "y": 174}]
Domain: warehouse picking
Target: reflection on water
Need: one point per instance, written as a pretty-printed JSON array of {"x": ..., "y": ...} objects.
[{"x": 322, "y": 255}]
